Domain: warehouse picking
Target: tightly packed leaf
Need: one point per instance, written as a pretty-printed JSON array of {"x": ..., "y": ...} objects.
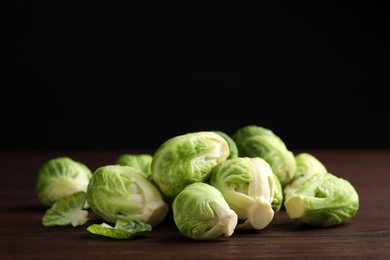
[
  {"x": 186, "y": 159},
  {"x": 322, "y": 200},
  {"x": 141, "y": 162},
  {"x": 257, "y": 141},
  {"x": 60, "y": 177},
  {"x": 233, "y": 151},
  {"x": 200, "y": 212},
  {"x": 117, "y": 192},
  {"x": 250, "y": 188},
  {"x": 307, "y": 166}
]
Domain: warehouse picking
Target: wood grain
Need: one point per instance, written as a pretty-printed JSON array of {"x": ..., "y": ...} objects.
[{"x": 365, "y": 236}]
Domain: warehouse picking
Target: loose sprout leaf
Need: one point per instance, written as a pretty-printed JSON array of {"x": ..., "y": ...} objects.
[
  {"x": 123, "y": 229},
  {"x": 233, "y": 151},
  {"x": 67, "y": 211},
  {"x": 135, "y": 226}
]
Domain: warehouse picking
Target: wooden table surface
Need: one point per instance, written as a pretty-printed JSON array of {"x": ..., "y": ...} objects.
[{"x": 365, "y": 236}]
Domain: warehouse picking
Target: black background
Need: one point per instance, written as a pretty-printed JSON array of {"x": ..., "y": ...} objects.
[{"x": 132, "y": 75}]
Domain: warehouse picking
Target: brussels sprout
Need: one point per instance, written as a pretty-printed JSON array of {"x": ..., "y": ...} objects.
[
  {"x": 186, "y": 159},
  {"x": 200, "y": 212},
  {"x": 276, "y": 192},
  {"x": 257, "y": 141},
  {"x": 117, "y": 192},
  {"x": 232, "y": 145},
  {"x": 141, "y": 162},
  {"x": 67, "y": 210},
  {"x": 322, "y": 200},
  {"x": 307, "y": 166},
  {"x": 250, "y": 188},
  {"x": 122, "y": 229},
  {"x": 60, "y": 177}
]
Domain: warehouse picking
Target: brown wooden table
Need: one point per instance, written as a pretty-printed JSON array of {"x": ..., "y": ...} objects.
[{"x": 366, "y": 236}]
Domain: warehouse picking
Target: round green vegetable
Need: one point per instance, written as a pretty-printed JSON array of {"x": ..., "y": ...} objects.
[
  {"x": 200, "y": 212},
  {"x": 307, "y": 166},
  {"x": 60, "y": 177},
  {"x": 186, "y": 159},
  {"x": 141, "y": 162},
  {"x": 257, "y": 141},
  {"x": 322, "y": 200},
  {"x": 117, "y": 192},
  {"x": 250, "y": 188}
]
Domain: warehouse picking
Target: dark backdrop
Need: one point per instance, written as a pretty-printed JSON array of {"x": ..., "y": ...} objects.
[{"x": 130, "y": 76}]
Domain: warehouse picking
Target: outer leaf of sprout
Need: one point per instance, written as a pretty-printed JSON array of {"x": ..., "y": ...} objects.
[
  {"x": 60, "y": 177},
  {"x": 67, "y": 211},
  {"x": 141, "y": 162},
  {"x": 232, "y": 145},
  {"x": 200, "y": 212},
  {"x": 250, "y": 188},
  {"x": 257, "y": 141},
  {"x": 322, "y": 200},
  {"x": 276, "y": 193},
  {"x": 186, "y": 159},
  {"x": 122, "y": 229},
  {"x": 117, "y": 192},
  {"x": 307, "y": 166}
]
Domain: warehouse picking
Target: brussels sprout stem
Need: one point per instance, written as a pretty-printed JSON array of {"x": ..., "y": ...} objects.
[
  {"x": 259, "y": 215},
  {"x": 224, "y": 225},
  {"x": 296, "y": 206}
]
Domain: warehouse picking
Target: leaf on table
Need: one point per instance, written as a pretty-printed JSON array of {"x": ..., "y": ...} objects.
[
  {"x": 122, "y": 230},
  {"x": 67, "y": 211}
]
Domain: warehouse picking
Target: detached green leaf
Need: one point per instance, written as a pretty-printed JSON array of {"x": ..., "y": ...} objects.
[
  {"x": 67, "y": 211},
  {"x": 123, "y": 229}
]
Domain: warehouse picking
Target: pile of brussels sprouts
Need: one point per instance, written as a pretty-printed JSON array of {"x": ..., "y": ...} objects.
[{"x": 212, "y": 183}]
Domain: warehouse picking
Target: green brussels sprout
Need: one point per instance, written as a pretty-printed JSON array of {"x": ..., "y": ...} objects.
[
  {"x": 117, "y": 192},
  {"x": 250, "y": 188},
  {"x": 257, "y": 141},
  {"x": 186, "y": 159},
  {"x": 67, "y": 211},
  {"x": 232, "y": 145},
  {"x": 60, "y": 177},
  {"x": 323, "y": 200},
  {"x": 307, "y": 166},
  {"x": 141, "y": 162},
  {"x": 276, "y": 192},
  {"x": 200, "y": 212}
]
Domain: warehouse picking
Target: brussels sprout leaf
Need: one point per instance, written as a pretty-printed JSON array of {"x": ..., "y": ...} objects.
[
  {"x": 123, "y": 229},
  {"x": 67, "y": 210}
]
